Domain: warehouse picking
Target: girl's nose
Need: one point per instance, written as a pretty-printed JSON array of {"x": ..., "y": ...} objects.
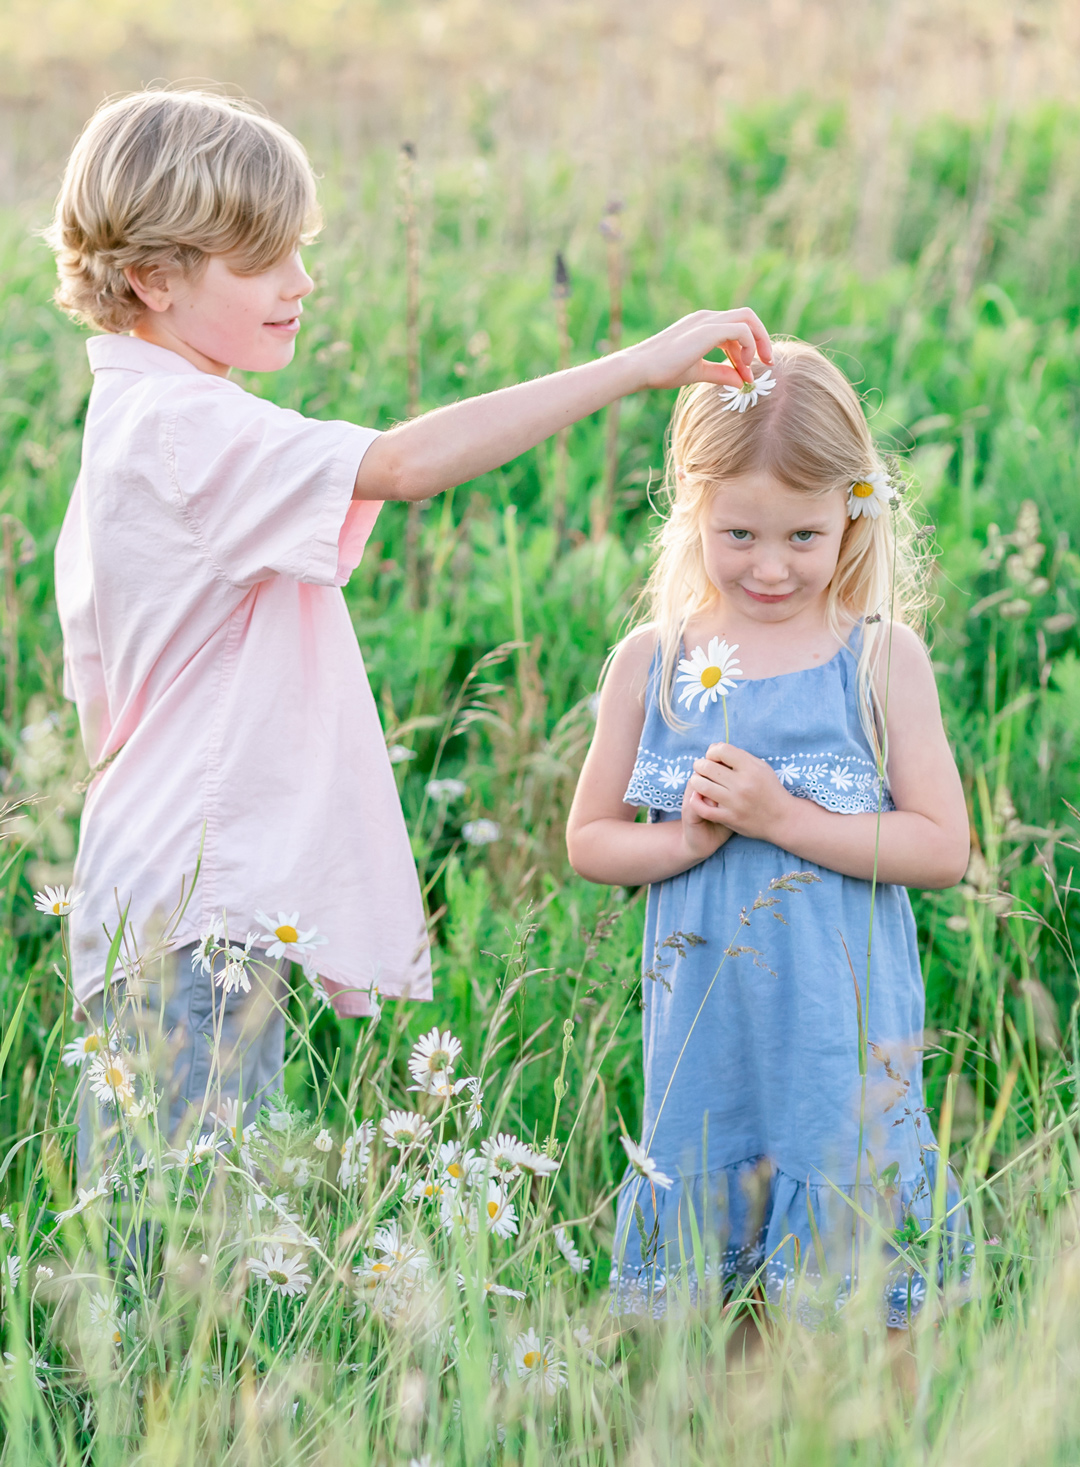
[{"x": 770, "y": 572}]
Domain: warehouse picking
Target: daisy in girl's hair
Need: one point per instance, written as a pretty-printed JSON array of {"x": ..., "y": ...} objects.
[{"x": 792, "y": 793}]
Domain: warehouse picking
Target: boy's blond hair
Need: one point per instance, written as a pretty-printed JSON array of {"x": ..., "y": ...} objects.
[
  {"x": 810, "y": 433},
  {"x": 166, "y": 178}
]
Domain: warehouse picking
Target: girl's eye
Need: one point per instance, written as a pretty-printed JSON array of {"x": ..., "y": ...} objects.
[
  {"x": 804, "y": 536},
  {"x": 740, "y": 535}
]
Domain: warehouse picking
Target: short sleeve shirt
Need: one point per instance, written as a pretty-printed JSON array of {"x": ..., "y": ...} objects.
[{"x": 219, "y": 683}]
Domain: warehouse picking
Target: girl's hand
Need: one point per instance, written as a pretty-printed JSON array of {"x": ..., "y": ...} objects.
[
  {"x": 677, "y": 355},
  {"x": 736, "y": 789},
  {"x": 703, "y": 832}
]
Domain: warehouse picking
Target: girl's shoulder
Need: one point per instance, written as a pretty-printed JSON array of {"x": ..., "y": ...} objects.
[{"x": 631, "y": 659}]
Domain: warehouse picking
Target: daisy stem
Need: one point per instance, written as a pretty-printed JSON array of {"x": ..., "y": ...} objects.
[{"x": 727, "y": 731}]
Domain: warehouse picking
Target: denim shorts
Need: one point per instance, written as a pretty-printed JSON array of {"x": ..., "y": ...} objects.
[{"x": 203, "y": 1047}]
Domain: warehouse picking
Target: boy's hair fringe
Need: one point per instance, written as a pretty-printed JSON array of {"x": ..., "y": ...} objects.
[
  {"x": 811, "y": 434},
  {"x": 163, "y": 179}
]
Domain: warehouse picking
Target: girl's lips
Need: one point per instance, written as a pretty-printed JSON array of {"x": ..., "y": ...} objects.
[
  {"x": 286, "y": 328},
  {"x": 768, "y": 600}
]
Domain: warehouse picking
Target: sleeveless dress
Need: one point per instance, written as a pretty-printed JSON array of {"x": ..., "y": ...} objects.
[{"x": 756, "y": 988}]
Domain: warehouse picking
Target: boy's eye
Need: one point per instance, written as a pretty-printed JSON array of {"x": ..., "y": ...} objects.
[
  {"x": 804, "y": 536},
  {"x": 740, "y": 534}
]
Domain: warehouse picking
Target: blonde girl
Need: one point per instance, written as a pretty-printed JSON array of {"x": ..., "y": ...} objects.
[{"x": 777, "y": 718}]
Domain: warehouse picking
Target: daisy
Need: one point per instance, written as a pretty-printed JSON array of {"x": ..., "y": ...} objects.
[
  {"x": 13, "y": 1265},
  {"x": 501, "y": 1291},
  {"x": 481, "y": 832},
  {"x": 285, "y": 938},
  {"x": 83, "y": 1049},
  {"x": 372, "y": 1272},
  {"x": 426, "y": 1190},
  {"x": 501, "y": 1213},
  {"x": 709, "y": 673},
  {"x": 140, "y": 1110},
  {"x": 434, "y": 1055},
  {"x": 197, "y": 1149},
  {"x": 503, "y": 1155},
  {"x": 391, "y": 1243},
  {"x": 566, "y": 1247},
  {"x": 445, "y": 789},
  {"x": 738, "y": 399},
  {"x": 355, "y": 1154},
  {"x": 474, "y": 1110},
  {"x": 455, "y": 1214},
  {"x": 57, "y": 901},
  {"x": 866, "y": 496},
  {"x": 6, "y": 1223},
  {"x": 284, "y": 1275},
  {"x": 234, "y": 975},
  {"x": 83, "y": 1198},
  {"x": 101, "y": 1313},
  {"x": 399, "y": 754},
  {"x": 405, "y": 1128},
  {"x": 643, "y": 1164},
  {"x": 111, "y": 1080},
  {"x": 323, "y": 1141},
  {"x": 455, "y": 1161},
  {"x": 536, "y": 1365},
  {"x": 43, "y": 1273},
  {"x": 231, "y": 1119},
  {"x": 536, "y": 1163},
  {"x": 202, "y": 959}
]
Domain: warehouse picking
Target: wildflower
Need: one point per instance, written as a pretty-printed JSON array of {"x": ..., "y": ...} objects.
[
  {"x": 140, "y": 1110},
  {"x": 277, "y": 1120},
  {"x": 323, "y": 1141},
  {"x": 404, "y": 1128},
  {"x": 5, "y": 1222},
  {"x": 234, "y": 974},
  {"x": 501, "y": 1291},
  {"x": 866, "y": 496},
  {"x": 503, "y": 1155},
  {"x": 101, "y": 1313},
  {"x": 373, "y": 1272},
  {"x": 13, "y": 1267},
  {"x": 230, "y": 1118},
  {"x": 43, "y": 1273},
  {"x": 445, "y": 789},
  {"x": 83, "y": 1049},
  {"x": 284, "y": 1275},
  {"x": 456, "y": 1214},
  {"x": 455, "y": 1161},
  {"x": 355, "y": 1154},
  {"x": 399, "y": 754},
  {"x": 474, "y": 1110},
  {"x": 481, "y": 832},
  {"x": 566, "y": 1247},
  {"x": 209, "y": 941},
  {"x": 391, "y": 1243},
  {"x": 427, "y": 1189},
  {"x": 83, "y": 1198},
  {"x": 536, "y": 1364},
  {"x": 298, "y": 1171},
  {"x": 36, "y": 1365},
  {"x": 285, "y": 938},
  {"x": 196, "y": 1150},
  {"x": 738, "y": 399},
  {"x": 710, "y": 673},
  {"x": 643, "y": 1164},
  {"x": 111, "y": 1080},
  {"x": 57, "y": 901},
  {"x": 501, "y": 1214},
  {"x": 432, "y": 1062},
  {"x": 536, "y": 1163}
]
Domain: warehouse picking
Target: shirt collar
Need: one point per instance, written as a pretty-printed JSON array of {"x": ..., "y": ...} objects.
[{"x": 129, "y": 354}]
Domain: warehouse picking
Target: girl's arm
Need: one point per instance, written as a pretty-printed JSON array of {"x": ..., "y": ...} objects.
[
  {"x": 603, "y": 838},
  {"x": 457, "y": 443},
  {"x": 924, "y": 842}
]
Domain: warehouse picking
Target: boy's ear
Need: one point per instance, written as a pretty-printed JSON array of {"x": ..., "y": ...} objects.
[{"x": 154, "y": 285}]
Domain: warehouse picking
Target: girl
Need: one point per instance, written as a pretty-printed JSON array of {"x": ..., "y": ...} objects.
[
  {"x": 221, "y": 693},
  {"x": 777, "y": 716}
]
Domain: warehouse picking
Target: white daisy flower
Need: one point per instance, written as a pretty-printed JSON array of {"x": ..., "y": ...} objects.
[
  {"x": 323, "y": 1141},
  {"x": 284, "y": 1275},
  {"x": 196, "y": 1150},
  {"x": 234, "y": 974},
  {"x": 536, "y": 1163},
  {"x": 111, "y": 1080},
  {"x": 355, "y": 1154},
  {"x": 83, "y": 1049},
  {"x": 297, "y": 1169},
  {"x": 209, "y": 941},
  {"x": 474, "y": 1109},
  {"x": 43, "y": 1273},
  {"x": 405, "y": 1128},
  {"x": 13, "y": 1266},
  {"x": 84, "y": 1196},
  {"x": 445, "y": 789},
  {"x": 231, "y": 1119},
  {"x": 503, "y": 1155},
  {"x": 868, "y": 496},
  {"x": 501, "y": 1291},
  {"x": 391, "y": 1243},
  {"x": 102, "y": 1318},
  {"x": 643, "y": 1164},
  {"x": 5, "y": 1222},
  {"x": 285, "y": 938},
  {"x": 501, "y": 1213},
  {"x": 57, "y": 901},
  {"x": 434, "y": 1054},
  {"x": 567, "y": 1248},
  {"x": 399, "y": 754},
  {"x": 456, "y": 1163},
  {"x": 456, "y": 1214},
  {"x": 738, "y": 399},
  {"x": 140, "y": 1110},
  {"x": 481, "y": 832},
  {"x": 536, "y": 1364},
  {"x": 374, "y": 1272},
  {"x": 428, "y": 1189},
  {"x": 709, "y": 673}
]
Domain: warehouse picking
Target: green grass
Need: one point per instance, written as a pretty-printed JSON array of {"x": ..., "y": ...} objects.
[{"x": 983, "y": 395}]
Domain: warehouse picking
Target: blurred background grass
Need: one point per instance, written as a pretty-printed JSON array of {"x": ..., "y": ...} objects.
[{"x": 897, "y": 182}]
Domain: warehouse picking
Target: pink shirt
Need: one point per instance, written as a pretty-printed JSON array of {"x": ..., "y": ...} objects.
[{"x": 209, "y": 650}]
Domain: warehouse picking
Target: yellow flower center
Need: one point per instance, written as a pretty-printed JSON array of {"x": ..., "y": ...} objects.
[
  {"x": 286, "y": 933},
  {"x": 711, "y": 676},
  {"x": 493, "y": 1209},
  {"x": 114, "y": 1076},
  {"x": 381, "y": 1268},
  {"x": 531, "y": 1359},
  {"x": 117, "y": 1337},
  {"x": 455, "y": 1169},
  {"x": 91, "y": 1044},
  {"x": 862, "y": 491},
  {"x": 276, "y": 1276},
  {"x": 438, "y": 1060},
  {"x": 56, "y": 908}
]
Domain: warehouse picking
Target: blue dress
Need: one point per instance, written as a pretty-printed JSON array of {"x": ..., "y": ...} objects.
[{"x": 756, "y": 988}]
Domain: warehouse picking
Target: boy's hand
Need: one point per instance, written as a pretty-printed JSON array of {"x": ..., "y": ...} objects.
[
  {"x": 733, "y": 788},
  {"x": 677, "y": 355}
]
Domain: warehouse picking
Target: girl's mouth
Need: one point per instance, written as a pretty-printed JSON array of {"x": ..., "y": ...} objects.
[
  {"x": 288, "y": 327},
  {"x": 768, "y": 600}
]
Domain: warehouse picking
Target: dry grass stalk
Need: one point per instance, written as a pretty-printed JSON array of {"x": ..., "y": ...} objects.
[
  {"x": 413, "y": 574},
  {"x": 561, "y": 294},
  {"x": 604, "y": 506}
]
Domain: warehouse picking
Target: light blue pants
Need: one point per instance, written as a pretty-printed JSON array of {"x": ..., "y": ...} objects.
[{"x": 204, "y": 1047}]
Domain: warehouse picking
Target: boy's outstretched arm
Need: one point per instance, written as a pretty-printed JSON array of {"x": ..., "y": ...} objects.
[{"x": 457, "y": 443}]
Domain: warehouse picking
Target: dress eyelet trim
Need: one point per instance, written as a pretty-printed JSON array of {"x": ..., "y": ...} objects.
[{"x": 847, "y": 784}]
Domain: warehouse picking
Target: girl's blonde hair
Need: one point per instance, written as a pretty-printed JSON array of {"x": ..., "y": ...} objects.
[
  {"x": 166, "y": 178},
  {"x": 811, "y": 434}
]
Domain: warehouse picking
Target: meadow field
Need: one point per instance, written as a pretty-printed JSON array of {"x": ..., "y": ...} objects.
[{"x": 941, "y": 271}]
